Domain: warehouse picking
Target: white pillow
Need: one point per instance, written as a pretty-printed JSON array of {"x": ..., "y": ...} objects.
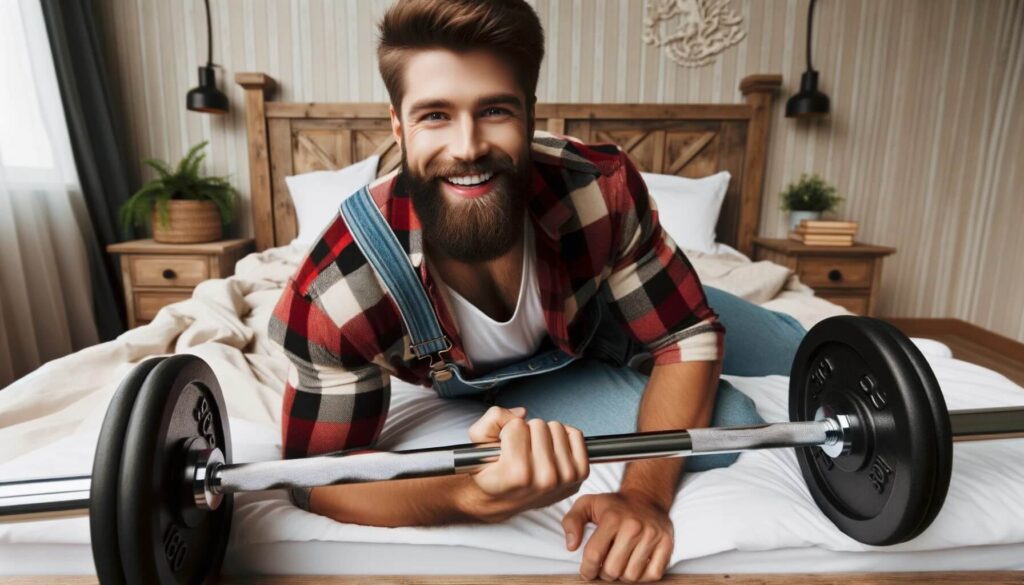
[
  {"x": 688, "y": 208},
  {"x": 317, "y": 196}
]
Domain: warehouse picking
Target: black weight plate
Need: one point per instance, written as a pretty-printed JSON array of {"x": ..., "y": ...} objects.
[
  {"x": 106, "y": 471},
  {"x": 944, "y": 446},
  {"x": 161, "y": 540},
  {"x": 882, "y": 493}
]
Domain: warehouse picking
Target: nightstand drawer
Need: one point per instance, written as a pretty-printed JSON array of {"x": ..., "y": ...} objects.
[
  {"x": 148, "y": 303},
  {"x": 836, "y": 272},
  {"x": 853, "y": 303},
  {"x": 169, "y": 270}
]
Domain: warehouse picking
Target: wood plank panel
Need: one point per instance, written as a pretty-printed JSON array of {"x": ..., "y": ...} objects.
[
  {"x": 970, "y": 343},
  {"x": 283, "y": 222},
  {"x": 940, "y": 578}
]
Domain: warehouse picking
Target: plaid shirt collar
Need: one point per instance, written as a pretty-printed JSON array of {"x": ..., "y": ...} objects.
[{"x": 550, "y": 208}]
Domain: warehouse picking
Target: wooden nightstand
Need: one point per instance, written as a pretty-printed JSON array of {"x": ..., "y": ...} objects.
[
  {"x": 156, "y": 275},
  {"x": 846, "y": 276}
]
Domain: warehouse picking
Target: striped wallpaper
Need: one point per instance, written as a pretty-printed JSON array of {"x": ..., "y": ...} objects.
[{"x": 925, "y": 140}]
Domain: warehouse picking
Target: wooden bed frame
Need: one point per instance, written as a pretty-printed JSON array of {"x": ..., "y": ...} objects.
[{"x": 690, "y": 140}]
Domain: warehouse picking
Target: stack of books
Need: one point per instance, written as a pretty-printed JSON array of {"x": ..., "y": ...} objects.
[{"x": 825, "y": 232}]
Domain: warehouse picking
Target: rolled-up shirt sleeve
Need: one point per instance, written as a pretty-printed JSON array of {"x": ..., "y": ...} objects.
[
  {"x": 655, "y": 289},
  {"x": 333, "y": 399}
]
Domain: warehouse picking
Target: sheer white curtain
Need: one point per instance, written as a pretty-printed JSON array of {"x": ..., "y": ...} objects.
[{"x": 45, "y": 293}]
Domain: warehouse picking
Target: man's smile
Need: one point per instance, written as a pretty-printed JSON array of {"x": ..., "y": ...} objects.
[{"x": 469, "y": 186}]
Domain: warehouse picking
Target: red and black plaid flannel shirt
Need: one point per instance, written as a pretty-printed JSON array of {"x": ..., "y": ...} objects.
[{"x": 597, "y": 227}]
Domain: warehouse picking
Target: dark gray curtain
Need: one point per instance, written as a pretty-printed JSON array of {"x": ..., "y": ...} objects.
[{"x": 96, "y": 139}]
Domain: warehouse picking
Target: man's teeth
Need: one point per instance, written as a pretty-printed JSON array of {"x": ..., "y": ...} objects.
[{"x": 469, "y": 180}]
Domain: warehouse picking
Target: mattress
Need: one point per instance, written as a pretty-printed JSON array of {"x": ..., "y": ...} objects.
[{"x": 755, "y": 516}]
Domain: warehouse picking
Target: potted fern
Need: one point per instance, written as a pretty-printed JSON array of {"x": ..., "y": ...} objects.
[
  {"x": 181, "y": 206},
  {"x": 808, "y": 198}
]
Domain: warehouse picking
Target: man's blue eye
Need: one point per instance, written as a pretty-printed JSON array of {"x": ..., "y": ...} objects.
[
  {"x": 434, "y": 116},
  {"x": 497, "y": 111}
]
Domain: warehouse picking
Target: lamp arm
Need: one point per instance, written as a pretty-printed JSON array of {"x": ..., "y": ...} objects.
[
  {"x": 810, "y": 25},
  {"x": 209, "y": 35}
]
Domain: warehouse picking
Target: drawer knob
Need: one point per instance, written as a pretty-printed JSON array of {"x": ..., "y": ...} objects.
[
  {"x": 835, "y": 275},
  {"x": 169, "y": 274}
]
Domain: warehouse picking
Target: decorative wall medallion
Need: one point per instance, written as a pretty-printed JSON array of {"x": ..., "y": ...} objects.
[{"x": 704, "y": 29}]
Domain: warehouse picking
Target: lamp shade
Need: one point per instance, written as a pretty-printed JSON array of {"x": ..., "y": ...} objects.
[
  {"x": 207, "y": 98},
  {"x": 809, "y": 102}
]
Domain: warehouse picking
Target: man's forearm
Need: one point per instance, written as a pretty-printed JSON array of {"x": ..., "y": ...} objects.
[
  {"x": 677, "y": 396},
  {"x": 431, "y": 501}
]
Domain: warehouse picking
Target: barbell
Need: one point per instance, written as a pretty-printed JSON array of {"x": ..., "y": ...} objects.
[{"x": 871, "y": 430}]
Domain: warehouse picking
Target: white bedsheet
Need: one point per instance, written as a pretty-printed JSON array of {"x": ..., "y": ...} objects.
[{"x": 50, "y": 419}]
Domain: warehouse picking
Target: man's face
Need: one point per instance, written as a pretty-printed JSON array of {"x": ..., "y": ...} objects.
[{"x": 464, "y": 133}]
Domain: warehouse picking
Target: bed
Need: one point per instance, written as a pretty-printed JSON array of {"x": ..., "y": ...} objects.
[{"x": 754, "y": 517}]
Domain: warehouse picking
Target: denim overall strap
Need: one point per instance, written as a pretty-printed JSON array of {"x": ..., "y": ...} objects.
[
  {"x": 382, "y": 250},
  {"x": 380, "y": 246}
]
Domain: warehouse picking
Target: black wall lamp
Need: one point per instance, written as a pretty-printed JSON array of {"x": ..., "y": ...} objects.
[
  {"x": 809, "y": 102},
  {"x": 207, "y": 98}
]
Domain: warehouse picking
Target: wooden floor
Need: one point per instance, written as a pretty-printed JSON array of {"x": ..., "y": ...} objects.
[
  {"x": 988, "y": 578},
  {"x": 970, "y": 343}
]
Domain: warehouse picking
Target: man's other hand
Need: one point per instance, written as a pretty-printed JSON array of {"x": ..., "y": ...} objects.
[
  {"x": 541, "y": 462},
  {"x": 632, "y": 543}
]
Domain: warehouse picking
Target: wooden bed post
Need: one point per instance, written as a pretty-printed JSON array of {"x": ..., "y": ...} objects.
[
  {"x": 758, "y": 90},
  {"x": 257, "y": 85}
]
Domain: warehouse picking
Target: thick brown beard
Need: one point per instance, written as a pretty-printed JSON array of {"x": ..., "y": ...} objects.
[{"x": 474, "y": 230}]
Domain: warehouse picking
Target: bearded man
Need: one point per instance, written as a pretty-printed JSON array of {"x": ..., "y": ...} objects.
[{"x": 522, "y": 270}]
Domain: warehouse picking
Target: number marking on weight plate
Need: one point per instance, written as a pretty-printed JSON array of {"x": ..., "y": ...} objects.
[
  {"x": 175, "y": 548},
  {"x": 822, "y": 372},
  {"x": 881, "y": 474},
  {"x": 204, "y": 418},
  {"x": 875, "y": 394}
]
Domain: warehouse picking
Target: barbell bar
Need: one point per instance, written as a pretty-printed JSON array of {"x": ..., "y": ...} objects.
[
  {"x": 870, "y": 427},
  {"x": 211, "y": 478}
]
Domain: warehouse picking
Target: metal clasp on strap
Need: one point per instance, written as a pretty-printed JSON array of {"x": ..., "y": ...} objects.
[{"x": 439, "y": 371}]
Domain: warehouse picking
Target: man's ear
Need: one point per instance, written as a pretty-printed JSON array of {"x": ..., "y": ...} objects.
[{"x": 396, "y": 125}]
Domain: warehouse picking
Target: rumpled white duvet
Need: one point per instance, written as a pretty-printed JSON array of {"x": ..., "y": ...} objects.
[{"x": 49, "y": 421}]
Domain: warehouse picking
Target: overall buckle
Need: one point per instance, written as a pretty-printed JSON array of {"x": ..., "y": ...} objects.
[{"x": 439, "y": 371}]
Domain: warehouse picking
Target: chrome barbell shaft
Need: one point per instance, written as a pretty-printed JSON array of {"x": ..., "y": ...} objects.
[
  {"x": 982, "y": 424},
  {"x": 340, "y": 468},
  {"x": 48, "y": 498}
]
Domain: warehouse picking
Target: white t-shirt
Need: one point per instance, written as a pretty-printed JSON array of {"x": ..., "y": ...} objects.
[{"x": 491, "y": 344}]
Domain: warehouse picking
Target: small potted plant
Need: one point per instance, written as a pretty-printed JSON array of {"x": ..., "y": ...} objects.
[
  {"x": 808, "y": 198},
  {"x": 181, "y": 206}
]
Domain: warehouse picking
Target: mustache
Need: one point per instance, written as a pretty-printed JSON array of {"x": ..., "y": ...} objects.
[{"x": 490, "y": 164}]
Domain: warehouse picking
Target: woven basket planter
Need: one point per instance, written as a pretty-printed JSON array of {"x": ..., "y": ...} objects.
[{"x": 191, "y": 222}]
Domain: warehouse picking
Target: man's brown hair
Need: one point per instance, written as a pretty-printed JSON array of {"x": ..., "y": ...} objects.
[{"x": 508, "y": 28}]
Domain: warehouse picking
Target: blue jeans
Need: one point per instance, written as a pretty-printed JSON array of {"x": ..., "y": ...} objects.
[{"x": 601, "y": 399}]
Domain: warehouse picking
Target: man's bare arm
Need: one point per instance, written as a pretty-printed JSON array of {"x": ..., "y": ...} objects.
[
  {"x": 678, "y": 396},
  {"x": 429, "y": 501},
  {"x": 540, "y": 463}
]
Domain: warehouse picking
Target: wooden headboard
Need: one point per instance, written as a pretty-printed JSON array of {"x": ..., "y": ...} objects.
[{"x": 690, "y": 140}]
